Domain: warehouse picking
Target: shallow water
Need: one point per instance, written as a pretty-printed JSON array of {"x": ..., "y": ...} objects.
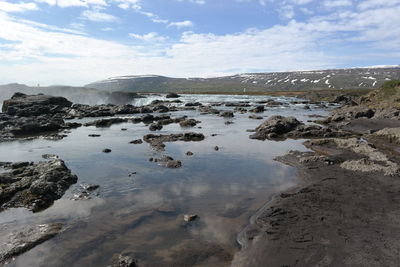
[{"x": 143, "y": 213}]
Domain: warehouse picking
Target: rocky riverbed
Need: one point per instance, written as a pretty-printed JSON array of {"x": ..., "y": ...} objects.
[{"x": 61, "y": 195}]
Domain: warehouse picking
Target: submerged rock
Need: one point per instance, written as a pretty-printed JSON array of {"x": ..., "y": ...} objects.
[
  {"x": 136, "y": 142},
  {"x": 17, "y": 243},
  {"x": 255, "y": 117},
  {"x": 106, "y": 122},
  {"x": 188, "y": 123},
  {"x": 35, "y": 186},
  {"x": 168, "y": 162},
  {"x": 226, "y": 114},
  {"x": 157, "y": 141}
]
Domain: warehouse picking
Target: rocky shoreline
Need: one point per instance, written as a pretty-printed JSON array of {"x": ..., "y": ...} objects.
[{"x": 343, "y": 212}]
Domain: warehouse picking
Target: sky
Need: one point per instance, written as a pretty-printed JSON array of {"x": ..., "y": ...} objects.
[{"x": 75, "y": 42}]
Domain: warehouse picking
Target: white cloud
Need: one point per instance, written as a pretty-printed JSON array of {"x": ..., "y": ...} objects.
[
  {"x": 337, "y": 3},
  {"x": 73, "y": 3},
  {"x": 127, "y": 4},
  {"x": 377, "y": 3},
  {"x": 149, "y": 37},
  {"x": 181, "y": 24},
  {"x": 20, "y": 7},
  {"x": 287, "y": 12},
  {"x": 38, "y": 53},
  {"x": 199, "y": 2},
  {"x": 94, "y": 15}
]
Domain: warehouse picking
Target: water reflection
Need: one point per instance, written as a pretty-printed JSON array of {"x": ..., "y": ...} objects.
[{"x": 143, "y": 213}]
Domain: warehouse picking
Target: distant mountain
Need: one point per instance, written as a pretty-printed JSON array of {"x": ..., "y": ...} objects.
[{"x": 356, "y": 78}]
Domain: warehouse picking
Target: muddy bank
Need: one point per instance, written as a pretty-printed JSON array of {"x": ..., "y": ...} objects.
[
  {"x": 345, "y": 209},
  {"x": 336, "y": 216}
]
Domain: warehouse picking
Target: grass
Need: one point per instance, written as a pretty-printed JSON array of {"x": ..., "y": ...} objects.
[{"x": 388, "y": 95}]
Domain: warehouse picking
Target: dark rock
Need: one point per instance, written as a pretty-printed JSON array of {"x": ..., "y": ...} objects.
[
  {"x": 226, "y": 114},
  {"x": 34, "y": 105},
  {"x": 157, "y": 141},
  {"x": 137, "y": 141},
  {"x": 258, "y": 109},
  {"x": 235, "y": 104},
  {"x": 106, "y": 122},
  {"x": 172, "y": 95},
  {"x": 189, "y": 153},
  {"x": 254, "y": 117},
  {"x": 107, "y": 150},
  {"x": 155, "y": 127},
  {"x": 71, "y": 125},
  {"x": 35, "y": 186},
  {"x": 147, "y": 118},
  {"x": 188, "y": 123},
  {"x": 275, "y": 125},
  {"x": 49, "y": 156},
  {"x": 94, "y": 135},
  {"x": 216, "y": 148},
  {"x": 193, "y": 104},
  {"x": 173, "y": 164},
  {"x": 161, "y": 109},
  {"x": 168, "y": 162}
]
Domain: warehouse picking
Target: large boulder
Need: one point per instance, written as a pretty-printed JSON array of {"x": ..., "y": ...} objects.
[
  {"x": 275, "y": 126},
  {"x": 34, "y": 105},
  {"x": 172, "y": 95}
]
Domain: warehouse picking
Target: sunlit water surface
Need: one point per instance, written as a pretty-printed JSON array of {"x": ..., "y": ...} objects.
[{"x": 143, "y": 213}]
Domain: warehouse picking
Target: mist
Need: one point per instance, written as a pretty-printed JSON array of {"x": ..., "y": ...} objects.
[{"x": 77, "y": 95}]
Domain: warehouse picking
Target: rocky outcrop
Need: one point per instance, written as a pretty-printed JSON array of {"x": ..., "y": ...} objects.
[
  {"x": 275, "y": 126},
  {"x": 279, "y": 127},
  {"x": 34, "y": 186},
  {"x": 28, "y": 115},
  {"x": 348, "y": 113},
  {"x": 34, "y": 105}
]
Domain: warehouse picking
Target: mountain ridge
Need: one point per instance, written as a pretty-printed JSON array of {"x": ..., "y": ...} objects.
[{"x": 334, "y": 79}]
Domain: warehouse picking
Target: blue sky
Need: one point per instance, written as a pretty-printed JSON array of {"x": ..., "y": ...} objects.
[{"x": 79, "y": 41}]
